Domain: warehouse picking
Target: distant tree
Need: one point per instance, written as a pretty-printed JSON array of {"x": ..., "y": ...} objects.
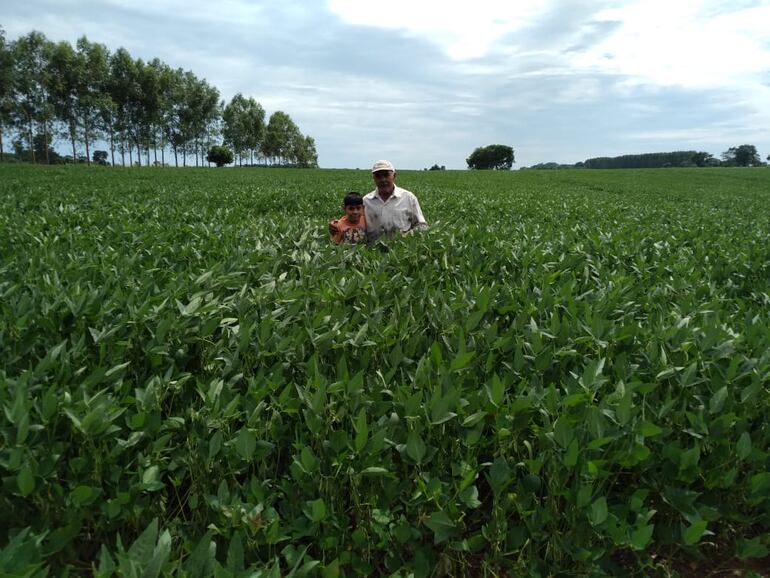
[
  {"x": 120, "y": 87},
  {"x": 303, "y": 153},
  {"x": 220, "y": 155},
  {"x": 498, "y": 157},
  {"x": 85, "y": 94},
  {"x": 702, "y": 159},
  {"x": 437, "y": 168},
  {"x": 652, "y": 160},
  {"x": 31, "y": 92},
  {"x": 243, "y": 126},
  {"x": 6, "y": 88},
  {"x": 99, "y": 158},
  {"x": 742, "y": 156},
  {"x": 41, "y": 144},
  {"x": 280, "y": 135}
]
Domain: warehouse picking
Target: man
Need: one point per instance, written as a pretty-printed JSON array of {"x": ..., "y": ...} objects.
[{"x": 389, "y": 209}]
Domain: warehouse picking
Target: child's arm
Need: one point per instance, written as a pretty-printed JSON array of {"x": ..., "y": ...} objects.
[{"x": 334, "y": 231}]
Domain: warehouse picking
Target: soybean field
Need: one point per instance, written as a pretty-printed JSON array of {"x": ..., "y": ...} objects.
[{"x": 568, "y": 374}]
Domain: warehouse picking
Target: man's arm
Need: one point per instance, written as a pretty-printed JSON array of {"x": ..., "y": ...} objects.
[{"x": 418, "y": 219}]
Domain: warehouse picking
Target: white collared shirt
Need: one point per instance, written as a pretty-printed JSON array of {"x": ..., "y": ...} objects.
[{"x": 401, "y": 212}]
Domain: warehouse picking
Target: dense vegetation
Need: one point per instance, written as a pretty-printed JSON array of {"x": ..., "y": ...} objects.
[
  {"x": 491, "y": 157},
  {"x": 568, "y": 372},
  {"x": 741, "y": 156},
  {"x": 52, "y": 92}
]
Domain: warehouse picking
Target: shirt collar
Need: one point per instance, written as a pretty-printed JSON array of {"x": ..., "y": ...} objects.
[{"x": 397, "y": 192}]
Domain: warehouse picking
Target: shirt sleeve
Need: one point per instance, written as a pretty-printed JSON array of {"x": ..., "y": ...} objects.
[{"x": 418, "y": 220}]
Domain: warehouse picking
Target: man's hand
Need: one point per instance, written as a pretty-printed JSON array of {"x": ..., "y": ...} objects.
[{"x": 333, "y": 228}]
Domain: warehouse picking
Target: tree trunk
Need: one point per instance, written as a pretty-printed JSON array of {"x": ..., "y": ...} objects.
[
  {"x": 45, "y": 143},
  {"x": 72, "y": 141},
  {"x": 176, "y": 156},
  {"x": 130, "y": 155},
  {"x": 112, "y": 145},
  {"x": 88, "y": 144},
  {"x": 163, "y": 155},
  {"x": 138, "y": 153},
  {"x": 2, "y": 153},
  {"x": 29, "y": 138}
]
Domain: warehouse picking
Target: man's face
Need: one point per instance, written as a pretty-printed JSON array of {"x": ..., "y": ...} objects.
[
  {"x": 353, "y": 213},
  {"x": 384, "y": 181}
]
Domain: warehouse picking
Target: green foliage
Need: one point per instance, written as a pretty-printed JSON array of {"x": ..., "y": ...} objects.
[
  {"x": 100, "y": 158},
  {"x": 220, "y": 155},
  {"x": 742, "y": 156},
  {"x": 653, "y": 160},
  {"x": 568, "y": 369},
  {"x": 499, "y": 157},
  {"x": 87, "y": 93}
]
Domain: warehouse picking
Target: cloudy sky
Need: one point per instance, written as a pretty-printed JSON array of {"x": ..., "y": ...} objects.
[{"x": 426, "y": 81}]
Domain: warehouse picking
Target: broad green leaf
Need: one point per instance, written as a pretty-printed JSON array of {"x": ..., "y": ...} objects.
[
  {"x": 201, "y": 561},
  {"x": 461, "y": 360},
  {"x": 25, "y": 480},
  {"x": 718, "y": 400},
  {"x": 693, "y": 534},
  {"x": 641, "y": 537},
  {"x": 571, "y": 455},
  {"x": 598, "y": 512},
  {"x": 499, "y": 475},
  {"x": 215, "y": 444},
  {"x": 415, "y": 447},
  {"x": 743, "y": 447},
  {"x": 441, "y": 524},
  {"x": 375, "y": 471},
  {"x": 318, "y": 510},
  {"x": 246, "y": 443},
  {"x": 150, "y": 475},
  {"x": 362, "y": 431},
  {"x": 760, "y": 483},
  {"x": 142, "y": 548},
  {"x": 649, "y": 429},
  {"x": 752, "y": 548},
  {"x": 83, "y": 495}
]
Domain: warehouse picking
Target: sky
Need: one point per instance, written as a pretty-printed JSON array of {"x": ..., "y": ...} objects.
[{"x": 423, "y": 82}]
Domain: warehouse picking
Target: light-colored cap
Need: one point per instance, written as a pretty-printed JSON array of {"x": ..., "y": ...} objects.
[{"x": 383, "y": 166}]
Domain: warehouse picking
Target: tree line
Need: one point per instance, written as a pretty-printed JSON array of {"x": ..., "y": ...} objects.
[
  {"x": 86, "y": 94},
  {"x": 740, "y": 156}
]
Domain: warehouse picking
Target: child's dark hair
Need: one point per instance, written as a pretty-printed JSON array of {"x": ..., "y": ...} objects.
[{"x": 353, "y": 199}]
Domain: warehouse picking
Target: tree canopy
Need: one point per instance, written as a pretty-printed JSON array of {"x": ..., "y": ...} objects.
[
  {"x": 652, "y": 160},
  {"x": 85, "y": 93},
  {"x": 742, "y": 156},
  {"x": 496, "y": 156},
  {"x": 220, "y": 155}
]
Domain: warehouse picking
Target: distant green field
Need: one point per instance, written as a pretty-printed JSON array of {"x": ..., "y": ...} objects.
[{"x": 569, "y": 372}]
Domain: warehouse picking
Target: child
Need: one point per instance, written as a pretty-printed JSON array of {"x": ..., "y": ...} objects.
[{"x": 352, "y": 227}]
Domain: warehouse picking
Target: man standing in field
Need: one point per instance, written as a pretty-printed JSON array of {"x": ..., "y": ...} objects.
[{"x": 389, "y": 208}]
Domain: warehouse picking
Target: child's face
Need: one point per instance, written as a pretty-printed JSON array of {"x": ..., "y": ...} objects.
[{"x": 354, "y": 212}]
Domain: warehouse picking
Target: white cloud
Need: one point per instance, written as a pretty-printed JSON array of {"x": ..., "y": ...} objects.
[
  {"x": 686, "y": 43},
  {"x": 683, "y": 43},
  {"x": 463, "y": 30}
]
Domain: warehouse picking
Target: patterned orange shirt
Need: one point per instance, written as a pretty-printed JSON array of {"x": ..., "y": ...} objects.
[{"x": 348, "y": 232}]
